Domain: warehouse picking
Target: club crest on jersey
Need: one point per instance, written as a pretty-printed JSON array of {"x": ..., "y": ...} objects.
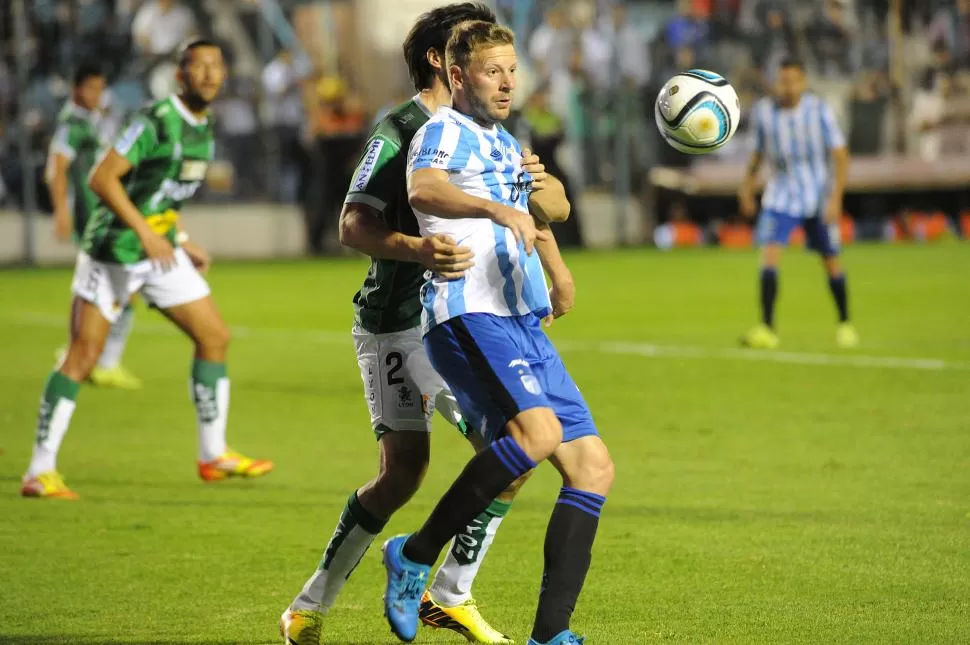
[
  {"x": 367, "y": 165},
  {"x": 193, "y": 170}
]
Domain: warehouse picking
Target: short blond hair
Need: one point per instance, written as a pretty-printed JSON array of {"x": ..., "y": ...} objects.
[{"x": 472, "y": 35}]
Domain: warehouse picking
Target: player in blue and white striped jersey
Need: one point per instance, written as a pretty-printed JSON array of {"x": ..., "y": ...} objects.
[
  {"x": 466, "y": 180},
  {"x": 798, "y": 138}
]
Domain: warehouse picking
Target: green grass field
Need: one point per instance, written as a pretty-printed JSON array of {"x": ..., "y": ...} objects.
[{"x": 806, "y": 496}]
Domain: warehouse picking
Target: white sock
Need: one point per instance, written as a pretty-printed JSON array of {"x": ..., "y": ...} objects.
[
  {"x": 211, "y": 414},
  {"x": 344, "y": 552},
  {"x": 453, "y": 582},
  {"x": 44, "y": 458},
  {"x": 114, "y": 347}
]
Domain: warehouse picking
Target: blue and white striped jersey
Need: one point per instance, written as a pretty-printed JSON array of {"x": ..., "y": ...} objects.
[
  {"x": 486, "y": 163},
  {"x": 796, "y": 143}
]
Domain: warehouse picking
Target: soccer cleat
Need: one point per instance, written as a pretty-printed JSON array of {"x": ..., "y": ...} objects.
[
  {"x": 116, "y": 377},
  {"x": 405, "y": 583},
  {"x": 49, "y": 484},
  {"x": 232, "y": 464},
  {"x": 463, "y": 619},
  {"x": 301, "y": 627},
  {"x": 760, "y": 337},
  {"x": 846, "y": 336},
  {"x": 562, "y": 638}
]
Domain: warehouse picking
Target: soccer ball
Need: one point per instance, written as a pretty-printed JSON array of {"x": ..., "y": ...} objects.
[{"x": 697, "y": 111}]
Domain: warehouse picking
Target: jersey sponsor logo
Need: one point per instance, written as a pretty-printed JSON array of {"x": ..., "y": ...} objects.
[
  {"x": 436, "y": 155},
  {"x": 129, "y": 137},
  {"x": 174, "y": 190},
  {"x": 193, "y": 170},
  {"x": 367, "y": 165}
]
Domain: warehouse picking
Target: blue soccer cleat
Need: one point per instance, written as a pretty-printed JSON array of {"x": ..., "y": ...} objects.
[
  {"x": 562, "y": 638},
  {"x": 405, "y": 584}
]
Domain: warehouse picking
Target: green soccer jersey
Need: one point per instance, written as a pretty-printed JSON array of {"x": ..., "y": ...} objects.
[
  {"x": 77, "y": 139},
  {"x": 169, "y": 150},
  {"x": 389, "y": 300}
]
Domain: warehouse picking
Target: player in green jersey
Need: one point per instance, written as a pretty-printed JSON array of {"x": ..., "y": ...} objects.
[
  {"x": 401, "y": 387},
  {"x": 134, "y": 243},
  {"x": 73, "y": 153}
]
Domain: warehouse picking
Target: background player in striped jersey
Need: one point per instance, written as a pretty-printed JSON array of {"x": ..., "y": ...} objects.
[
  {"x": 401, "y": 387},
  {"x": 797, "y": 135},
  {"x": 483, "y": 335},
  {"x": 73, "y": 152},
  {"x": 134, "y": 243}
]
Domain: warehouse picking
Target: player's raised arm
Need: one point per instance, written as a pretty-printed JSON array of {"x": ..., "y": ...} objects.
[{"x": 106, "y": 182}]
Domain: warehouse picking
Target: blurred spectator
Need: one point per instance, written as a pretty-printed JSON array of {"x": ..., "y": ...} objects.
[
  {"x": 551, "y": 43},
  {"x": 239, "y": 129},
  {"x": 940, "y": 117},
  {"x": 867, "y": 115},
  {"x": 160, "y": 26},
  {"x": 282, "y": 84},
  {"x": 951, "y": 26},
  {"x": 776, "y": 39},
  {"x": 339, "y": 127},
  {"x": 687, "y": 28},
  {"x": 630, "y": 47},
  {"x": 830, "y": 40}
]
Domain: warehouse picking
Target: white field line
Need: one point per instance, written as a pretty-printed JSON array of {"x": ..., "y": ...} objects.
[{"x": 618, "y": 348}]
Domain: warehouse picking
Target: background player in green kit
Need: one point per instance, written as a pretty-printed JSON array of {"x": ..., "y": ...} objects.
[
  {"x": 401, "y": 387},
  {"x": 73, "y": 152},
  {"x": 134, "y": 244}
]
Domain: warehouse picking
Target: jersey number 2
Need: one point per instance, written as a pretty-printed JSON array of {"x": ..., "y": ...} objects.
[{"x": 395, "y": 361}]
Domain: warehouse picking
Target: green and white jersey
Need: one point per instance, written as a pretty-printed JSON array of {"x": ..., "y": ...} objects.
[
  {"x": 169, "y": 150},
  {"x": 77, "y": 139},
  {"x": 389, "y": 300}
]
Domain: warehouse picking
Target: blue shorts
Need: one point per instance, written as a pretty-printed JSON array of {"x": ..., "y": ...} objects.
[
  {"x": 777, "y": 228},
  {"x": 498, "y": 366}
]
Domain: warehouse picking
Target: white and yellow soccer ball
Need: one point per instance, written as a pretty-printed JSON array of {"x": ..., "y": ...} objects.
[{"x": 697, "y": 111}]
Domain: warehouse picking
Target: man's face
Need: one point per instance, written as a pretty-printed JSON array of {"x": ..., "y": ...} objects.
[
  {"x": 791, "y": 85},
  {"x": 88, "y": 93},
  {"x": 488, "y": 82},
  {"x": 204, "y": 74}
]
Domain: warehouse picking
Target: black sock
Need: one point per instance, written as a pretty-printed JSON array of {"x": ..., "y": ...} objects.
[
  {"x": 769, "y": 291},
  {"x": 568, "y": 550},
  {"x": 840, "y": 293},
  {"x": 486, "y": 475}
]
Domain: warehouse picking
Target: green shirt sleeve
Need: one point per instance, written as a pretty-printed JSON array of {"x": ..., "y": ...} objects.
[
  {"x": 137, "y": 140},
  {"x": 379, "y": 174}
]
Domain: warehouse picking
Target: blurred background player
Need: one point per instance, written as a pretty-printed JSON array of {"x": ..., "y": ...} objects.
[
  {"x": 378, "y": 221},
  {"x": 134, "y": 243},
  {"x": 73, "y": 153},
  {"x": 466, "y": 179},
  {"x": 797, "y": 134}
]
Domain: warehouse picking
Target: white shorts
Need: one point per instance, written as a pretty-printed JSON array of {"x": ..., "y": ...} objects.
[
  {"x": 401, "y": 387},
  {"x": 110, "y": 286}
]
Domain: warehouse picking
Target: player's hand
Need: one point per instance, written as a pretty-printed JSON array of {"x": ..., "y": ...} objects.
[
  {"x": 522, "y": 225},
  {"x": 562, "y": 295},
  {"x": 747, "y": 203},
  {"x": 158, "y": 249},
  {"x": 535, "y": 168},
  {"x": 833, "y": 210},
  {"x": 442, "y": 255},
  {"x": 199, "y": 256},
  {"x": 62, "y": 226}
]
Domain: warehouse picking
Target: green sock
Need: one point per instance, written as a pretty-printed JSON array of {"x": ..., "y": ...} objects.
[
  {"x": 453, "y": 582},
  {"x": 57, "y": 404},
  {"x": 210, "y": 393},
  {"x": 354, "y": 534}
]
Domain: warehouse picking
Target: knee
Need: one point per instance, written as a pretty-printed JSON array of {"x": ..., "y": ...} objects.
[
  {"x": 595, "y": 471},
  {"x": 214, "y": 341}
]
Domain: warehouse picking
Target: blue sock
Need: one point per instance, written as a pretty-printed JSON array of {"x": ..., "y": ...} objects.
[
  {"x": 769, "y": 292},
  {"x": 568, "y": 551},
  {"x": 840, "y": 294},
  {"x": 488, "y": 473}
]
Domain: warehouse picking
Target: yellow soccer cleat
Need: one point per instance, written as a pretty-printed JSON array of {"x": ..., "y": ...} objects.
[
  {"x": 463, "y": 619},
  {"x": 233, "y": 464},
  {"x": 301, "y": 627},
  {"x": 846, "y": 336},
  {"x": 760, "y": 337},
  {"x": 116, "y": 377},
  {"x": 49, "y": 485}
]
